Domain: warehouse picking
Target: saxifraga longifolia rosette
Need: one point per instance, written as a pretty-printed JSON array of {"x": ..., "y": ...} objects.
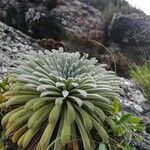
[{"x": 59, "y": 97}]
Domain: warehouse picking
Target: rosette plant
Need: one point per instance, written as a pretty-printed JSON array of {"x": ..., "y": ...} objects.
[{"x": 59, "y": 97}]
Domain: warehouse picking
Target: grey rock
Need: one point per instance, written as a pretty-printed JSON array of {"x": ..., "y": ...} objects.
[
  {"x": 72, "y": 22},
  {"x": 78, "y": 25},
  {"x": 133, "y": 97},
  {"x": 80, "y": 19},
  {"x": 145, "y": 144},
  {"x": 130, "y": 29},
  {"x": 16, "y": 14},
  {"x": 52, "y": 18},
  {"x": 99, "y": 4},
  {"x": 131, "y": 33},
  {"x": 13, "y": 42},
  {"x": 135, "y": 103}
]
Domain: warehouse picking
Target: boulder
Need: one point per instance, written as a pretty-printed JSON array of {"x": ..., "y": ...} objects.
[
  {"x": 131, "y": 33},
  {"x": 21, "y": 14},
  {"x": 135, "y": 103},
  {"x": 76, "y": 18},
  {"x": 80, "y": 25},
  {"x": 13, "y": 42},
  {"x": 72, "y": 22},
  {"x": 99, "y": 4},
  {"x": 130, "y": 29},
  {"x": 39, "y": 19}
]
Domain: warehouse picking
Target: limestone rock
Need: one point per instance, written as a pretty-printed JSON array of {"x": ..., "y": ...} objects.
[
  {"x": 21, "y": 14},
  {"x": 131, "y": 33},
  {"x": 77, "y": 18},
  {"x": 13, "y": 42},
  {"x": 130, "y": 29},
  {"x": 134, "y": 102}
]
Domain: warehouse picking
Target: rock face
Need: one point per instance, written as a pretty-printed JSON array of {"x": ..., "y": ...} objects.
[
  {"x": 133, "y": 99},
  {"x": 13, "y": 42},
  {"x": 130, "y": 29},
  {"x": 39, "y": 19},
  {"x": 78, "y": 19},
  {"x": 134, "y": 102},
  {"x": 131, "y": 33},
  {"x": 22, "y": 14},
  {"x": 78, "y": 23},
  {"x": 72, "y": 22},
  {"x": 99, "y": 4}
]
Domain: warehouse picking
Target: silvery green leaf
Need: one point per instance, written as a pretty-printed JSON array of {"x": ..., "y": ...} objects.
[
  {"x": 65, "y": 93},
  {"x": 89, "y": 105},
  {"x": 59, "y": 100},
  {"x": 60, "y": 84},
  {"x": 39, "y": 74},
  {"x": 77, "y": 100},
  {"x": 43, "y": 87},
  {"x": 82, "y": 92},
  {"x": 47, "y": 81},
  {"x": 50, "y": 93},
  {"x": 102, "y": 146},
  {"x": 30, "y": 86},
  {"x": 87, "y": 86}
]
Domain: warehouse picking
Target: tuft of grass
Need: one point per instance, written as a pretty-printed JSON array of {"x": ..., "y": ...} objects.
[{"x": 141, "y": 74}]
